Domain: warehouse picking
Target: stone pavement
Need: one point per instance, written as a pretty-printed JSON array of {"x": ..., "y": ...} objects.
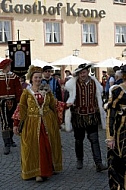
[{"x": 69, "y": 179}]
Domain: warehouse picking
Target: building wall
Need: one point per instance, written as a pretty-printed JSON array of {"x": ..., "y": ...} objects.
[{"x": 31, "y": 27}]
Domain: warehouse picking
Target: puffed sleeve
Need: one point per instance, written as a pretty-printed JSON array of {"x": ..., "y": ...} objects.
[
  {"x": 113, "y": 106},
  {"x": 18, "y": 89},
  {"x": 23, "y": 104}
]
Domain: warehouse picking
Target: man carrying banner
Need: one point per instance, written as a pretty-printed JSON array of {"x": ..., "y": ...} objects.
[{"x": 10, "y": 91}]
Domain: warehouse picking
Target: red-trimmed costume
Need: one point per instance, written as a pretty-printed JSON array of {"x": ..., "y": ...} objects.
[{"x": 10, "y": 92}]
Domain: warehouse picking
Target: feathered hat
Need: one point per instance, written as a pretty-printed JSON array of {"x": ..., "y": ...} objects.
[
  {"x": 81, "y": 67},
  {"x": 33, "y": 69}
]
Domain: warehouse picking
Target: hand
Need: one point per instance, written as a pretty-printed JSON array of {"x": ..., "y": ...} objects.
[
  {"x": 15, "y": 130},
  {"x": 69, "y": 104},
  {"x": 111, "y": 144}
]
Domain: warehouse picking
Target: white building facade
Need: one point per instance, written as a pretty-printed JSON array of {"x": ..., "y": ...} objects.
[{"x": 97, "y": 28}]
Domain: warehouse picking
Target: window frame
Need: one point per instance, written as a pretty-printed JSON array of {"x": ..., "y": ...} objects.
[
  {"x": 96, "y": 33},
  {"x": 60, "y": 32},
  {"x": 3, "y": 20},
  {"x": 119, "y": 2},
  {"x": 120, "y": 34},
  {"x": 89, "y": 1}
]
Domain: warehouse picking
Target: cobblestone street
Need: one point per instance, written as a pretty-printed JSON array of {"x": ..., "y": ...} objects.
[{"x": 69, "y": 179}]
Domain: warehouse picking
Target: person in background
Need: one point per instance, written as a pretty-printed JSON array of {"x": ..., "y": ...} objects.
[
  {"x": 116, "y": 135},
  {"x": 41, "y": 153},
  {"x": 62, "y": 84},
  {"x": 68, "y": 75},
  {"x": 10, "y": 92},
  {"x": 56, "y": 76},
  {"x": 23, "y": 82},
  {"x": 84, "y": 93},
  {"x": 116, "y": 68},
  {"x": 104, "y": 80},
  {"x": 110, "y": 81},
  {"x": 53, "y": 83},
  {"x": 118, "y": 77}
]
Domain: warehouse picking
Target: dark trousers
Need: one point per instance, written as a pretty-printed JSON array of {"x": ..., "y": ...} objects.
[
  {"x": 7, "y": 136},
  {"x": 7, "y": 109},
  {"x": 79, "y": 134}
]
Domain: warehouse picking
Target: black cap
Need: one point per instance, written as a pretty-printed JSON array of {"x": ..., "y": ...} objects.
[
  {"x": 104, "y": 71},
  {"x": 47, "y": 67},
  {"x": 116, "y": 68},
  {"x": 55, "y": 74},
  {"x": 67, "y": 71},
  {"x": 123, "y": 69}
]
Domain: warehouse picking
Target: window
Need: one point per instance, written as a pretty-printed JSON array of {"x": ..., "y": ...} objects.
[
  {"x": 120, "y": 34},
  {"x": 89, "y": 33},
  {"x": 119, "y": 1},
  {"x": 5, "y": 31},
  {"x": 53, "y": 32}
]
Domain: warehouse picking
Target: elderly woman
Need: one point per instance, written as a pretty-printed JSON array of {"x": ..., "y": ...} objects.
[{"x": 116, "y": 135}]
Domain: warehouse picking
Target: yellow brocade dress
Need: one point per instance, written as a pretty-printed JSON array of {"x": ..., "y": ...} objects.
[{"x": 38, "y": 119}]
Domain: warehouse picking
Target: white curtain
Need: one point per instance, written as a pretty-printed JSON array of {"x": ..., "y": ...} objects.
[
  {"x": 92, "y": 33},
  {"x": 89, "y": 33},
  {"x": 117, "y": 34},
  {"x": 48, "y": 32},
  {"x": 7, "y": 30},
  {"x": 85, "y": 33},
  {"x": 124, "y": 34},
  {"x": 0, "y": 31},
  {"x": 57, "y": 32}
]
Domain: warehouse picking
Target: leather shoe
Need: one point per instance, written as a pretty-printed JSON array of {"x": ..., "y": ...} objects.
[
  {"x": 39, "y": 179},
  {"x": 6, "y": 150},
  {"x": 100, "y": 167},
  {"x": 13, "y": 144},
  {"x": 79, "y": 164}
]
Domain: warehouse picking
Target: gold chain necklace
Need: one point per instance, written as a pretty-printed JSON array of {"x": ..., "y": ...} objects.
[{"x": 7, "y": 80}]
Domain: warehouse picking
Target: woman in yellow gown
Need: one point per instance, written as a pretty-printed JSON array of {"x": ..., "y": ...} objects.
[{"x": 41, "y": 152}]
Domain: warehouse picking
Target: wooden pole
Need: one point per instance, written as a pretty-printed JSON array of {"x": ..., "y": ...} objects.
[{"x": 18, "y": 35}]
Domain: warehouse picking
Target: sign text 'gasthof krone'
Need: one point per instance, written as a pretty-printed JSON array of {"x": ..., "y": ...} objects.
[{"x": 37, "y": 8}]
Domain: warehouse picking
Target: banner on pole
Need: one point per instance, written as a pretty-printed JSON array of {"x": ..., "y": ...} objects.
[{"x": 19, "y": 52}]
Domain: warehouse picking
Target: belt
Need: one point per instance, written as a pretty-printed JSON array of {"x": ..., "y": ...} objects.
[
  {"x": 7, "y": 97},
  {"x": 81, "y": 112},
  {"x": 35, "y": 115}
]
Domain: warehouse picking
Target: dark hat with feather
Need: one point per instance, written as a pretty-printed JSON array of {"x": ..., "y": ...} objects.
[{"x": 82, "y": 67}]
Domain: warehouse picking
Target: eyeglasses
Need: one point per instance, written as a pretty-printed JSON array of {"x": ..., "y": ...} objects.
[{"x": 47, "y": 71}]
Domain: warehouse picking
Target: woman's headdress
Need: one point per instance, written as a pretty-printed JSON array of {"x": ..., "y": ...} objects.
[{"x": 33, "y": 69}]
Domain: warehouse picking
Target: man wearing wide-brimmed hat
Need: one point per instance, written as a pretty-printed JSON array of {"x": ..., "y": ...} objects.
[
  {"x": 85, "y": 95},
  {"x": 10, "y": 91}
]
